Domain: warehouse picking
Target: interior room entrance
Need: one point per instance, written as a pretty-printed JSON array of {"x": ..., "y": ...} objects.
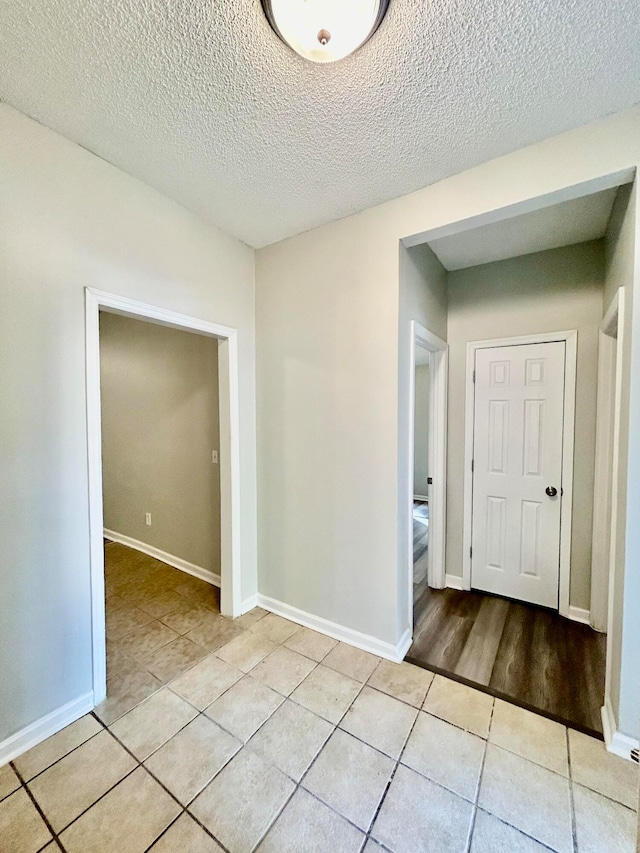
[
  {"x": 520, "y": 605},
  {"x": 161, "y": 498},
  {"x": 162, "y": 425}
]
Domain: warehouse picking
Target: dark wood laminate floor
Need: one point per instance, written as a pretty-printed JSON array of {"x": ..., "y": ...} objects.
[
  {"x": 521, "y": 652},
  {"x": 420, "y": 551}
]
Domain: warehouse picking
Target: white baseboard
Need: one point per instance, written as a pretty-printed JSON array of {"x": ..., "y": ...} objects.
[
  {"x": 617, "y": 743},
  {"x": 169, "y": 559},
  {"x": 453, "y": 582},
  {"x": 248, "y": 604},
  {"x": 579, "y": 615},
  {"x": 421, "y": 498},
  {"x": 366, "y": 642},
  {"x": 43, "y": 728}
]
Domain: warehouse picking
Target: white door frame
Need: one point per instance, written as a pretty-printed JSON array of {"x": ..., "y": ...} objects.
[
  {"x": 438, "y": 388},
  {"x": 571, "y": 339},
  {"x": 605, "y": 496},
  {"x": 230, "y": 573}
]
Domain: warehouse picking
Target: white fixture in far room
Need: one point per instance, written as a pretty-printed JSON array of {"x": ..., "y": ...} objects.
[
  {"x": 325, "y": 30},
  {"x": 147, "y": 519}
]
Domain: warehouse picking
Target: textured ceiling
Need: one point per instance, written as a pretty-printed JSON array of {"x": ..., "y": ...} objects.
[
  {"x": 201, "y": 100},
  {"x": 575, "y": 221}
]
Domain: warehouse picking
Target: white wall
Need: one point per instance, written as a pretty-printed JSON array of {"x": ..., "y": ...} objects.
[
  {"x": 332, "y": 411},
  {"x": 160, "y": 422},
  {"x": 68, "y": 220},
  {"x": 421, "y": 431},
  {"x": 544, "y": 292}
]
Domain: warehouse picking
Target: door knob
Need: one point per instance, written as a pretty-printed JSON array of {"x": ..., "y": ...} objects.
[{"x": 551, "y": 491}]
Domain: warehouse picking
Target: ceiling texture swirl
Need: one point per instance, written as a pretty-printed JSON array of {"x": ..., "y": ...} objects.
[{"x": 200, "y": 99}]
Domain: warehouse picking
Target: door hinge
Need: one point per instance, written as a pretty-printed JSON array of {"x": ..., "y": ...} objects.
[
  {"x": 474, "y": 377},
  {"x": 470, "y": 552},
  {"x": 472, "y": 465}
]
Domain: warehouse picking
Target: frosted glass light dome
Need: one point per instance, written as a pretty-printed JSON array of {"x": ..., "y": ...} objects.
[{"x": 325, "y": 30}]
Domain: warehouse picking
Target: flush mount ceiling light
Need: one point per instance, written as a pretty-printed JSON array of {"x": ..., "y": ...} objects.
[{"x": 325, "y": 30}]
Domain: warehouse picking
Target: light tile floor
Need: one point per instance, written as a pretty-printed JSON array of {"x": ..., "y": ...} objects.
[{"x": 261, "y": 735}]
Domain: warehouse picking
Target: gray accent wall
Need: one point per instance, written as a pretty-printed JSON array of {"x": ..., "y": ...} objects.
[{"x": 160, "y": 423}]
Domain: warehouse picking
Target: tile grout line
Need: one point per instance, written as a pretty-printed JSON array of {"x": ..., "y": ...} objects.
[
  {"x": 62, "y": 757},
  {"x": 505, "y": 697},
  {"x": 298, "y": 784},
  {"x": 102, "y": 796},
  {"x": 336, "y": 727},
  {"x": 526, "y": 835},
  {"x": 164, "y": 832},
  {"x": 141, "y": 765},
  {"x": 501, "y": 819},
  {"x": 572, "y": 810},
  {"x": 38, "y": 808},
  {"x": 395, "y": 768},
  {"x": 476, "y": 799}
]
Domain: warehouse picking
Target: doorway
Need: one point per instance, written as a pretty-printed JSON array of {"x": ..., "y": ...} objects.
[
  {"x": 421, "y": 480},
  {"x": 426, "y": 499},
  {"x": 481, "y": 628},
  {"x": 230, "y": 601}
]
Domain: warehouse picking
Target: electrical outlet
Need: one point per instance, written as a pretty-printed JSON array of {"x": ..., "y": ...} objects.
[
  {"x": 147, "y": 519},
  {"x": 214, "y": 457}
]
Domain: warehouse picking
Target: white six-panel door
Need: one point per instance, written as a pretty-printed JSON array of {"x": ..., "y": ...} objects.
[{"x": 517, "y": 456}]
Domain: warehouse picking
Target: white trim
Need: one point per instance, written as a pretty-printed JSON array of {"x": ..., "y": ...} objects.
[
  {"x": 571, "y": 341},
  {"x": 438, "y": 391},
  {"x": 94, "y": 470},
  {"x": 579, "y": 614},
  {"x": 528, "y": 205},
  {"x": 403, "y": 645},
  {"x": 453, "y": 582},
  {"x": 169, "y": 559},
  {"x": 616, "y": 742},
  {"x": 611, "y": 320},
  {"x": 248, "y": 604},
  {"x": 45, "y": 727},
  {"x": 228, "y": 379},
  {"x": 366, "y": 642}
]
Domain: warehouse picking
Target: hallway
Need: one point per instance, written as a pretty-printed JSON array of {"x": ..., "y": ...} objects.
[{"x": 516, "y": 651}]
